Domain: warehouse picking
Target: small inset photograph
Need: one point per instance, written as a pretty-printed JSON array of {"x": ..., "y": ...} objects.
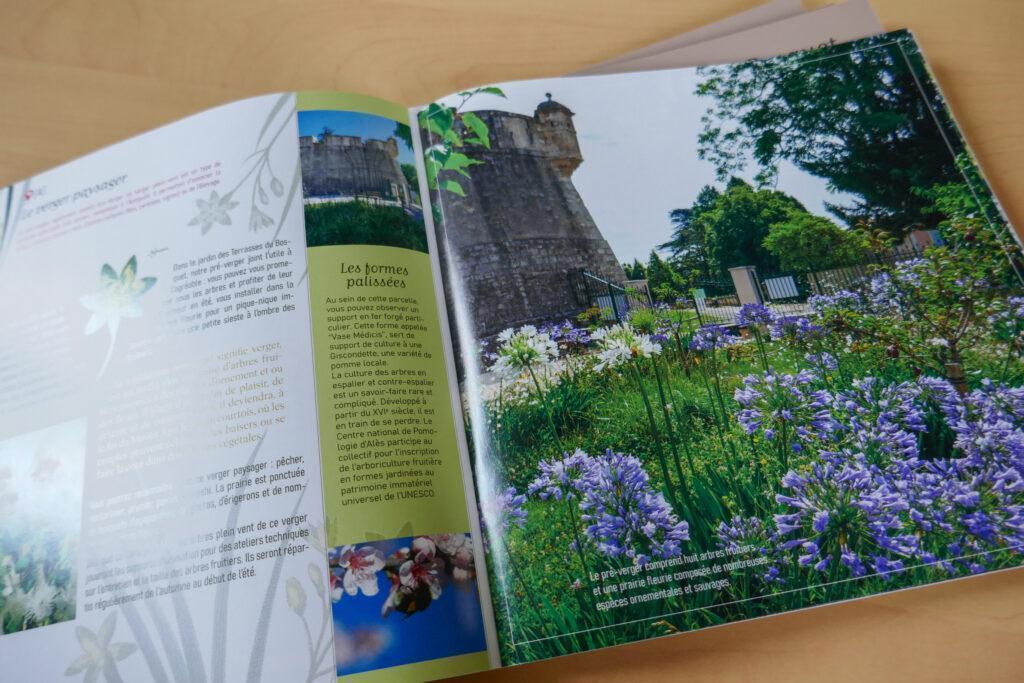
[
  {"x": 359, "y": 181},
  {"x": 41, "y": 512},
  {"x": 404, "y": 600}
]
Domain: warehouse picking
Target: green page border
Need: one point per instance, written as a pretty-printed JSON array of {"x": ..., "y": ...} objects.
[{"x": 312, "y": 100}]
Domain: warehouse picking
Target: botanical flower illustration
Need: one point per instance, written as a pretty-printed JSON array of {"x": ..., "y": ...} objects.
[
  {"x": 295, "y": 595},
  {"x": 215, "y": 209},
  {"x": 117, "y": 298},
  {"x": 100, "y": 656}
]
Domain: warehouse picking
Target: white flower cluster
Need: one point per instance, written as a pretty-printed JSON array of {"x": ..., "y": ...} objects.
[
  {"x": 621, "y": 343},
  {"x": 523, "y": 349}
]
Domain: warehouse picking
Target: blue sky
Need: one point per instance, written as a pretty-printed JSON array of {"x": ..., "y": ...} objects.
[
  {"x": 365, "y": 126},
  {"x": 638, "y": 135}
]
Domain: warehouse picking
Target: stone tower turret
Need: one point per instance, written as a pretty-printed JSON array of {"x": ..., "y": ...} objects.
[
  {"x": 559, "y": 134},
  {"x": 522, "y": 226}
]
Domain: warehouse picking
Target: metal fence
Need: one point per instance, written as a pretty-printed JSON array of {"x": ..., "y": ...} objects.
[
  {"x": 715, "y": 300},
  {"x": 615, "y": 300}
]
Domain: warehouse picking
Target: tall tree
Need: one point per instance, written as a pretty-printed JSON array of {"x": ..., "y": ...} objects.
[
  {"x": 634, "y": 270},
  {"x": 805, "y": 242},
  {"x": 736, "y": 226},
  {"x": 687, "y": 245},
  {"x": 662, "y": 279},
  {"x": 868, "y": 120}
]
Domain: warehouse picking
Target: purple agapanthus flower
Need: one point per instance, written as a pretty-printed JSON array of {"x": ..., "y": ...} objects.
[
  {"x": 504, "y": 510},
  {"x": 823, "y": 362},
  {"x": 837, "y": 513},
  {"x": 754, "y": 314},
  {"x": 842, "y": 300},
  {"x": 560, "y": 478},
  {"x": 777, "y": 403},
  {"x": 793, "y": 327},
  {"x": 624, "y": 517},
  {"x": 567, "y": 335},
  {"x": 711, "y": 337},
  {"x": 748, "y": 534}
]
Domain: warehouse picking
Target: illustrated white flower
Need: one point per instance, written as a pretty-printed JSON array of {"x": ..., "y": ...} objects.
[
  {"x": 621, "y": 343},
  {"x": 117, "y": 298},
  {"x": 213, "y": 210},
  {"x": 525, "y": 349},
  {"x": 361, "y": 567},
  {"x": 100, "y": 655},
  {"x": 295, "y": 595}
]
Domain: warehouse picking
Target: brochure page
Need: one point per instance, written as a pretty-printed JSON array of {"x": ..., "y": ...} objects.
[
  {"x": 403, "y": 562},
  {"x": 733, "y": 341},
  {"x": 159, "y": 474}
]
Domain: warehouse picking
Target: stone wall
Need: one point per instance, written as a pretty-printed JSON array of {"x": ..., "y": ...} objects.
[
  {"x": 522, "y": 226},
  {"x": 349, "y": 166}
]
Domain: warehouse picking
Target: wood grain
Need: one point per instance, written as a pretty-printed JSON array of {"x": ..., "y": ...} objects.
[{"x": 75, "y": 76}]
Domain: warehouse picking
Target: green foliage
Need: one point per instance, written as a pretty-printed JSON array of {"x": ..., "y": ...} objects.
[
  {"x": 865, "y": 120},
  {"x": 634, "y": 270},
  {"x": 404, "y": 133},
  {"x": 409, "y": 171},
  {"x": 359, "y": 222},
  {"x": 725, "y": 473},
  {"x": 935, "y": 309},
  {"x": 688, "y": 244},
  {"x": 663, "y": 280},
  {"x": 738, "y": 222},
  {"x": 805, "y": 242},
  {"x": 451, "y": 130}
]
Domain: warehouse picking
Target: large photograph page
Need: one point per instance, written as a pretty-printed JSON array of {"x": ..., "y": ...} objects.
[{"x": 733, "y": 341}]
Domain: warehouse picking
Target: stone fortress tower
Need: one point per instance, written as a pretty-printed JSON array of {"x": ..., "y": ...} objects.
[
  {"x": 522, "y": 228},
  {"x": 345, "y": 167}
]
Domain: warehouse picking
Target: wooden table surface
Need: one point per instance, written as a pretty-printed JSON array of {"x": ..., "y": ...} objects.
[{"x": 77, "y": 75}]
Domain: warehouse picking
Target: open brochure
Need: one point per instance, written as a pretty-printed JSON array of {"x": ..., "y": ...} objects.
[{"x": 312, "y": 385}]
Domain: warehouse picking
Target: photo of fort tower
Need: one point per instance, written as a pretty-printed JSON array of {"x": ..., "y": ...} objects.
[
  {"x": 522, "y": 230},
  {"x": 348, "y": 167}
]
